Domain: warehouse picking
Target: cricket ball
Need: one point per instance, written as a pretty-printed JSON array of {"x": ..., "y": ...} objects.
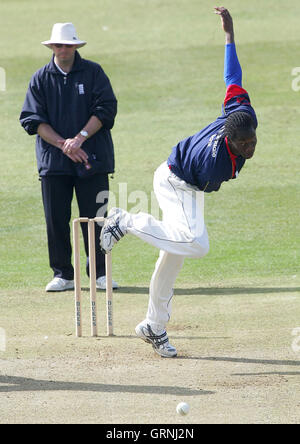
[{"x": 182, "y": 408}]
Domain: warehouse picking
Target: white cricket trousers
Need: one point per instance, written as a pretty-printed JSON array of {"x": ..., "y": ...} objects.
[{"x": 181, "y": 233}]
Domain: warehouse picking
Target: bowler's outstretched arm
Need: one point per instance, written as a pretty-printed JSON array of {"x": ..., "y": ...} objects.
[{"x": 232, "y": 67}]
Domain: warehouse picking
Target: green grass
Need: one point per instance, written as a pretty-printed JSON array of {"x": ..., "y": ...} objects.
[{"x": 165, "y": 62}]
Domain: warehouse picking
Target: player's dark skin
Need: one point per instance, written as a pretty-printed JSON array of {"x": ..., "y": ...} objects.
[{"x": 245, "y": 142}]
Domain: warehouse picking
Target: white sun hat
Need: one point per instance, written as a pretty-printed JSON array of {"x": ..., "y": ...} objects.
[{"x": 64, "y": 33}]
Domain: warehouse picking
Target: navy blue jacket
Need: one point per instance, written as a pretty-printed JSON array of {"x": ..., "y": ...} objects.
[
  {"x": 66, "y": 103},
  {"x": 204, "y": 159}
]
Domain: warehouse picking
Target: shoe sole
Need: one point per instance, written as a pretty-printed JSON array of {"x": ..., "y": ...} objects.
[
  {"x": 102, "y": 231},
  {"x": 141, "y": 335},
  {"x": 163, "y": 356},
  {"x": 111, "y": 214},
  {"x": 101, "y": 237},
  {"x": 59, "y": 291}
]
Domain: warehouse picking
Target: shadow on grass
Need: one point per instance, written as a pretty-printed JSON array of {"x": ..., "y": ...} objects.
[
  {"x": 212, "y": 290},
  {"x": 242, "y": 360},
  {"x": 268, "y": 374},
  {"x": 21, "y": 384},
  {"x": 171, "y": 335}
]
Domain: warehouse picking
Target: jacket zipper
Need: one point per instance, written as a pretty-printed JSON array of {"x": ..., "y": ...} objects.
[{"x": 65, "y": 80}]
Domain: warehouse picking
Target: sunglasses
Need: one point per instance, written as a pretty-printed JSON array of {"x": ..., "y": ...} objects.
[{"x": 60, "y": 45}]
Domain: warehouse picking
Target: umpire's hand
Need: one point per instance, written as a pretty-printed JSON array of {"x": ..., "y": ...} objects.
[{"x": 72, "y": 149}]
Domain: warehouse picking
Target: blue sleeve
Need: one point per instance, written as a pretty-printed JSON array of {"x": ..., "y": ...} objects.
[{"x": 232, "y": 67}]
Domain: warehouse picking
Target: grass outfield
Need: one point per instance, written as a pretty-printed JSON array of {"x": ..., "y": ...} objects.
[{"x": 165, "y": 62}]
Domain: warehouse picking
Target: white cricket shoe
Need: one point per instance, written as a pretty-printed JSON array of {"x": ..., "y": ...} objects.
[
  {"x": 60, "y": 284},
  {"x": 112, "y": 232},
  {"x": 160, "y": 342},
  {"x": 101, "y": 283}
]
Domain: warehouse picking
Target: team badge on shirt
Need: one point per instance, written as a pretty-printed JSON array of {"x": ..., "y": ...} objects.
[{"x": 81, "y": 88}]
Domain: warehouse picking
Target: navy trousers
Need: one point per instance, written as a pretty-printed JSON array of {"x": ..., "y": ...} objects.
[{"x": 57, "y": 192}]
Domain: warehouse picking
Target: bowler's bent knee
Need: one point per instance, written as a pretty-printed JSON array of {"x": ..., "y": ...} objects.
[
  {"x": 203, "y": 247},
  {"x": 199, "y": 248}
]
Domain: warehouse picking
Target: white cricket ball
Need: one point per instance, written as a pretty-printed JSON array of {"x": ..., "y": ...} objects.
[{"x": 182, "y": 408}]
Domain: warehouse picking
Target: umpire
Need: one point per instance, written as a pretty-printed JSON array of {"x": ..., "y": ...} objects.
[{"x": 71, "y": 107}]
